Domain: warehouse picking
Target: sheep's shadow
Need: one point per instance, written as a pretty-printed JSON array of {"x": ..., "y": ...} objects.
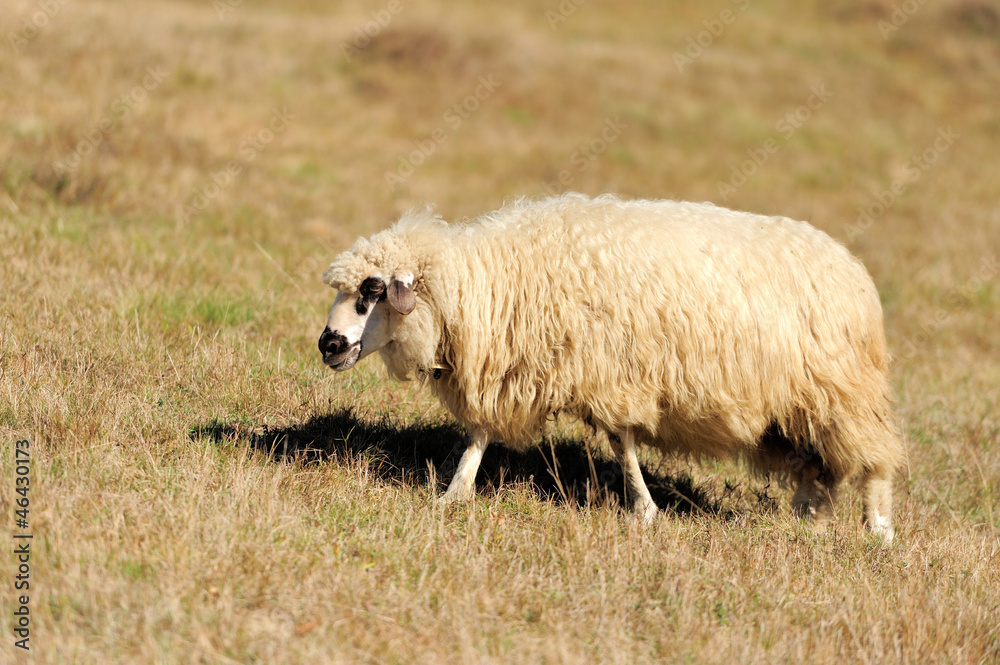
[{"x": 557, "y": 469}]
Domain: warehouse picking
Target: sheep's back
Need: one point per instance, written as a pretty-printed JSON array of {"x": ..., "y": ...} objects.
[{"x": 641, "y": 313}]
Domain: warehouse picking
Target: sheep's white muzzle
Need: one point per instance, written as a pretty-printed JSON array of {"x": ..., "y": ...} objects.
[
  {"x": 343, "y": 361},
  {"x": 338, "y": 351}
]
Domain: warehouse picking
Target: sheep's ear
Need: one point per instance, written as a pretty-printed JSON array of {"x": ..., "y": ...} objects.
[{"x": 400, "y": 293}]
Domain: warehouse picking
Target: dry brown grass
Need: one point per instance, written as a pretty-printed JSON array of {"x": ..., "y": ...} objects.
[{"x": 204, "y": 490}]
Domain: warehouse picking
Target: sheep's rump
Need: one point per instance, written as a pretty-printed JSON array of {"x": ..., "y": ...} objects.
[{"x": 709, "y": 331}]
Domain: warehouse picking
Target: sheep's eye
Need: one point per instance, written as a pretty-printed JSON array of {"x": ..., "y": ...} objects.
[
  {"x": 371, "y": 291},
  {"x": 372, "y": 288}
]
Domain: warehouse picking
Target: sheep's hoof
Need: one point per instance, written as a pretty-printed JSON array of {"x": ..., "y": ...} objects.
[
  {"x": 450, "y": 498},
  {"x": 881, "y": 528},
  {"x": 643, "y": 515},
  {"x": 810, "y": 518},
  {"x": 804, "y": 511},
  {"x": 887, "y": 535}
]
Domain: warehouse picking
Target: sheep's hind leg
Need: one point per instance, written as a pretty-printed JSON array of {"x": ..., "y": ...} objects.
[
  {"x": 463, "y": 484},
  {"x": 643, "y": 507},
  {"x": 877, "y": 488},
  {"x": 814, "y": 497}
]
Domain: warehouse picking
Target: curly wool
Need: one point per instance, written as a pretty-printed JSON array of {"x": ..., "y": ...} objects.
[{"x": 705, "y": 330}]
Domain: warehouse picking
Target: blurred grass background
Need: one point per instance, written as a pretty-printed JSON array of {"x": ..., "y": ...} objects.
[{"x": 175, "y": 176}]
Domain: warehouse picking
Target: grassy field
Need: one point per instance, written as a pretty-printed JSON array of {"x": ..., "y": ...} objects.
[{"x": 174, "y": 178}]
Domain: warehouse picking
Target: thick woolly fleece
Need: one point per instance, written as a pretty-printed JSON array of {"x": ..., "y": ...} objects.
[{"x": 707, "y": 331}]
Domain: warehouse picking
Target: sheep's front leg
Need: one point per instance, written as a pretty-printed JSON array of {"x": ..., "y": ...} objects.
[
  {"x": 464, "y": 482},
  {"x": 643, "y": 508}
]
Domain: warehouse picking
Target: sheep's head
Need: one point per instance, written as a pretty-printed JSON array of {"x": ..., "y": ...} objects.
[
  {"x": 383, "y": 302},
  {"x": 365, "y": 315}
]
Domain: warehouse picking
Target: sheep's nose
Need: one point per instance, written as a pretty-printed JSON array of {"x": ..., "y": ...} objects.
[{"x": 332, "y": 342}]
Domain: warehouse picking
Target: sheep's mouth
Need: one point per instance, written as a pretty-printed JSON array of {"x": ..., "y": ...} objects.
[{"x": 343, "y": 361}]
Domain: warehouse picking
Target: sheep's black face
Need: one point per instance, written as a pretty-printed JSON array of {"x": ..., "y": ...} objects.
[{"x": 363, "y": 321}]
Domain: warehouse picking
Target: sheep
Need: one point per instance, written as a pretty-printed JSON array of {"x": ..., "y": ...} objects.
[{"x": 692, "y": 328}]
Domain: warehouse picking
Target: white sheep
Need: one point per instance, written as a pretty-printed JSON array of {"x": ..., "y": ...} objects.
[{"x": 689, "y": 327}]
